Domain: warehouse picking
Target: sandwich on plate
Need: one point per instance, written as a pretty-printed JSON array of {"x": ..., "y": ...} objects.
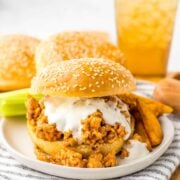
[{"x": 87, "y": 116}]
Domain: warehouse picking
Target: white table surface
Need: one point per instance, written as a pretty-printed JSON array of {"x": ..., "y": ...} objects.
[{"x": 44, "y": 17}]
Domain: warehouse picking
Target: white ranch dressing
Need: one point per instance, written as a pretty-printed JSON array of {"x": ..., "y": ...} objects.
[
  {"x": 67, "y": 113},
  {"x": 136, "y": 150}
]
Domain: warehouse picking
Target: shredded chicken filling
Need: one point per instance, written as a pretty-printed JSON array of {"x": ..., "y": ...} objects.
[{"x": 94, "y": 132}]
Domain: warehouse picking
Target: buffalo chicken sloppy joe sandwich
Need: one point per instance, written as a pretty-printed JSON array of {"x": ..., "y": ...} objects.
[{"x": 81, "y": 120}]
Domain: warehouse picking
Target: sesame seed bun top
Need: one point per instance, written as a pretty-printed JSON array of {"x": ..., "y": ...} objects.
[
  {"x": 87, "y": 77},
  {"x": 75, "y": 45},
  {"x": 17, "y": 66}
]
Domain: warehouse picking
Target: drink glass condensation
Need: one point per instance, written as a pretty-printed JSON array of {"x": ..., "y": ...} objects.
[{"x": 144, "y": 30}]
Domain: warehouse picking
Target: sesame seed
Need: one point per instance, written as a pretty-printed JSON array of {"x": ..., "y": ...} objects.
[
  {"x": 74, "y": 45},
  {"x": 17, "y": 53},
  {"x": 75, "y": 85},
  {"x": 77, "y": 67},
  {"x": 83, "y": 88}
]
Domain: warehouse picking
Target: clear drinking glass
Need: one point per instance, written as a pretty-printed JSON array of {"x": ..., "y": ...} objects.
[{"x": 144, "y": 30}]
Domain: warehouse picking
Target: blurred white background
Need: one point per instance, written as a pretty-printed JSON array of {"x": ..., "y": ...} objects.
[{"x": 44, "y": 17}]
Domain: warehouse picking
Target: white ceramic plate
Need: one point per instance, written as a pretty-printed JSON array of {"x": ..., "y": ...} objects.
[{"x": 17, "y": 141}]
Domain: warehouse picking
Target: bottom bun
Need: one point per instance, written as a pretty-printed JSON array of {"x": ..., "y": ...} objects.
[{"x": 53, "y": 147}]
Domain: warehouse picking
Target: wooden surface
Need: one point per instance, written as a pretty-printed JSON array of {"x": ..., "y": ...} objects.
[{"x": 176, "y": 175}]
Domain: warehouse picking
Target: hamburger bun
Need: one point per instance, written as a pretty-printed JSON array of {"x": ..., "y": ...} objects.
[
  {"x": 75, "y": 45},
  {"x": 17, "y": 61},
  {"x": 53, "y": 147},
  {"x": 82, "y": 78},
  {"x": 86, "y": 77}
]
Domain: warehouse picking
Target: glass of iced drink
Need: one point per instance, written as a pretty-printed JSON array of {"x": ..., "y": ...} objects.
[{"x": 144, "y": 30}]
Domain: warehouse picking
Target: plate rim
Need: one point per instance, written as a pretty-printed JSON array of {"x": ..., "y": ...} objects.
[{"x": 21, "y": 157}]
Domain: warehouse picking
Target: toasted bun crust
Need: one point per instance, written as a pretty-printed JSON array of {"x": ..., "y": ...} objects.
[
  {"x": 75, "y": 45},
  {"x": 87, "y": 77},
  {"x": 16, "y": 61}
]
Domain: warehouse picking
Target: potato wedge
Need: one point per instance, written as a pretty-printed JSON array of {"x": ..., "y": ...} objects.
[
  {"x": 151, "y": 123},
  {"x": 156, "y": 107},
  {"x": 140, "y": 130}
]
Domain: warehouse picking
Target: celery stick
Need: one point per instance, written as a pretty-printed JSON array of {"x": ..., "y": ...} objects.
[
  {"x": 13, "y": 103},
  {"x": 12, "y": 110}
]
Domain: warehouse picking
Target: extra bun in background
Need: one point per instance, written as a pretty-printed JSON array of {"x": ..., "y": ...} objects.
[
  {"x": 86, "y": 77},
  {"x": 17, "y": 66},
  {"x": 75, "y": 45}
]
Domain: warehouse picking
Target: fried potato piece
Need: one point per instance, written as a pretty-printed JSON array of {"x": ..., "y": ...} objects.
[
  {"x": 129, "y": 99},
  {"x": 145, "y": 112},
  {"x": 140, "y": 130},
  {"x": 156, "y": 107},
  {"x": 151, "y": 123}
]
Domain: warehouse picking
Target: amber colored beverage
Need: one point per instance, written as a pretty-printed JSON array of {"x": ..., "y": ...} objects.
[{"x": 144, "y": 29}]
